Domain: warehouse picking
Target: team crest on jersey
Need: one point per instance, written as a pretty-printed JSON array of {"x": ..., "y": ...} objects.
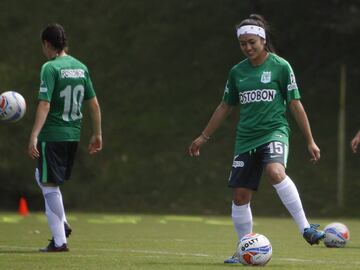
[{"x": 266, "y": 77}]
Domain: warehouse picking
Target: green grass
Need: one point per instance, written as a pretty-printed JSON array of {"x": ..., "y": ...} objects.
[{"x": 102, "y": 241}]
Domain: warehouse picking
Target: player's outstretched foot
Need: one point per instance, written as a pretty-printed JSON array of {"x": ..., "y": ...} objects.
[
  {"x": 312, "y": 235},
  {"x": 68, "y": 229},
  {"x": 52, "y": 248},
  {"x": 233, "y": 259}
]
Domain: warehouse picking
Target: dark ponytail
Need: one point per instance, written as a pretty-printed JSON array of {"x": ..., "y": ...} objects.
[
  {"x": 56, "y": 36},
  {"x": 258, "y": 20}
]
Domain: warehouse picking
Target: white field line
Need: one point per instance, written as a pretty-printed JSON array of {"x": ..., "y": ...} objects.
[
  {"x": 161, "y": 252},
  {"x": 19, "y": 248},
  {"x": 120, "y": 250},
  {"x": 295, "y": 260}
]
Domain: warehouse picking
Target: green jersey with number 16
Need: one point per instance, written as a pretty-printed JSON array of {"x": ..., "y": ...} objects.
[
  {"x": 263, "y": 93},
  {"x": 65, "y": 83}
]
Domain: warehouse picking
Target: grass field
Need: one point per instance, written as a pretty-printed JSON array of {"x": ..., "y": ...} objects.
[{"x": 101, "y": 241}]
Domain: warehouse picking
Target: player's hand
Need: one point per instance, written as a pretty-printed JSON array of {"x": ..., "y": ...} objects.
[
  {"x": 194, "y": 148},
  {"x": 355, "y": 142},
  {"x": 314, "y": 152},
  {"x": 33, "y": 152},
  {"x": 95, "y": 144}
]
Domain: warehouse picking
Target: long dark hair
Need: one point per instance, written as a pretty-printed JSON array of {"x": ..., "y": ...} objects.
[
  {"x": 56, "y": 36},
  {"x": 258, "y": 20}
]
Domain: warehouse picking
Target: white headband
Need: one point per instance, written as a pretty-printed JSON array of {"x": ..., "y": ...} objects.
[{"x": 251, "y": 29}]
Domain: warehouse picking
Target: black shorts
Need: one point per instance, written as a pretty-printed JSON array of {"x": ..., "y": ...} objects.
[
  {"x": 247, "y": 167},
  {"x": 56, "y": 161}
]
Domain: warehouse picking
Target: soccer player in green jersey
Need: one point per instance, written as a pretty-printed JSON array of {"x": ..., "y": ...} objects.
[
  {"x": 65, "y": 85},
  {"x": 264, "y": 86}
]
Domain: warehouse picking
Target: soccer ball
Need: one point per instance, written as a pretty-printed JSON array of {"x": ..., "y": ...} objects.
[
  {"x": 12, "y": 106},
  {"x": 254, "y": 249},
  {"x": 337, "y": 235}
]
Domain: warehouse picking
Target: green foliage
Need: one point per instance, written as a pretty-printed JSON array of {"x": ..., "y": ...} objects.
[{"x": 159, "y": 68}]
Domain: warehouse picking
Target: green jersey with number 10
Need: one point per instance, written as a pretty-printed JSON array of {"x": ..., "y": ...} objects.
[
  {"x": 263, "y": 93},
  {"x": 65, "y": 83}
]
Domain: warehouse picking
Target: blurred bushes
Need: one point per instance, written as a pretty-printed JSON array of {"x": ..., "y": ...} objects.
[{"x": 159, "y": 68}]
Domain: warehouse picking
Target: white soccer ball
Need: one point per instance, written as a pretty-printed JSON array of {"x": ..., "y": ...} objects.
[
  {"x": 12, "y": 106},
  {"x": 337, "y": 235},
  {"x": 254, "y": 249}
]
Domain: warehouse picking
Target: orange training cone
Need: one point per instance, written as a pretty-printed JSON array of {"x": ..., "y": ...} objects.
[{"x": 23, "y": 209}]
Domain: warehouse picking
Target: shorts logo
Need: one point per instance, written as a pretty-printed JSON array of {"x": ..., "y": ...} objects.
[
  {"x": 266, "y": 77},
  {"x": 238, "y": 163}
]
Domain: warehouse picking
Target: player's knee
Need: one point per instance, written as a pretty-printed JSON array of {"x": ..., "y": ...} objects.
[
  {"x": 241, "y": 199},
  {"x": 276, "y": 174},
  {"x": 46, "y": 189}
]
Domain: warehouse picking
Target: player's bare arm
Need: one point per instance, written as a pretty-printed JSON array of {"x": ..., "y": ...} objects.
[
  {"x": 95, "y": 144},
  {"x": 355, "y": 142},
  {"x": 40, "y": 118},
  {"x": 219, "y": 115},
  {"x": 301, "y": 118}
]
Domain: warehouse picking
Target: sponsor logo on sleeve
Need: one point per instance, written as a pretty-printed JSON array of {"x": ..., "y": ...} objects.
[
  {"x": 226, "y": 91},
  {"x": 292, "y": 84},
  {"x": 43, "y": 88}
]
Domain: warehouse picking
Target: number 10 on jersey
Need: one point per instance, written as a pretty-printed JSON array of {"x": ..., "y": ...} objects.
[{"x": 73, "y": 98}]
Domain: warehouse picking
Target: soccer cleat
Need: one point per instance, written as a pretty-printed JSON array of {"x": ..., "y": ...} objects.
[
  {"x": 52, "y": 248},
  {"x": 312, "y": 235},
  {"x": 233, "y": 259},
  {"x": 68, "y": 229}
]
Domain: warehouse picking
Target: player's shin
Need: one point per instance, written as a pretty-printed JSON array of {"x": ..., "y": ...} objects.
[
  {"x": 290, "y": 197},
  {"x": 242, "y": 218},
  {"x": 55, "y": 216}
]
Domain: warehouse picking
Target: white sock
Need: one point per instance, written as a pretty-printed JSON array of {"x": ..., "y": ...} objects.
[
  {"x": 242, "y": 218},
  {"x": 55, "y": 215},
  {"x": 289, "y": 196},
  {"x": 62, "y": 202},
  {"x": 54, "y": 210}
]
